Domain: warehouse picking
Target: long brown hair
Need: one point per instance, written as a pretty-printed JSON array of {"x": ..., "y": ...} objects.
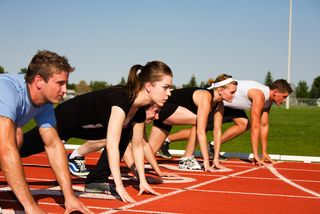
[{"x": 139, "y": 75}]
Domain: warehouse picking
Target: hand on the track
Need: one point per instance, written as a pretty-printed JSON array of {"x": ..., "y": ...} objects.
[
  {"x": 146, "y": 187},
  {"x": 73, "y": 204},
  {"x": 210, "y": 169},
  {"x": 259, "y": 162},
  {"x": 216, "y": 165},
  {"x": 266, "y": 158},
  {"x": 125, "y": 197},
  {"x": 206, "y": 166}
]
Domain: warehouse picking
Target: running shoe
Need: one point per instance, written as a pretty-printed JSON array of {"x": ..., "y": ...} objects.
[
  {"x": 100, "y": 188},
  {"x": 211, "y": 151},
  {"x": 164, "y": 150},
  {"x": 77, "y": 166},
  {"x": 189, "y": 163}
]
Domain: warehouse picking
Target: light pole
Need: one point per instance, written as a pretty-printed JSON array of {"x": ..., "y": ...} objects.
[{"x": 289, "y": 53}]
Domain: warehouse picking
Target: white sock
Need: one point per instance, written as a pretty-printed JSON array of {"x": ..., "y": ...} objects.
[
  {"x": 74, "y": 154},
  {"x": 167, "y": 140}
]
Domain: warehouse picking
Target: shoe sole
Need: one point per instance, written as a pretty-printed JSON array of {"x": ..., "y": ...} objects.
[
  {"x": 93, "y": 190},
  {"x": 164, "y": 156},
  {"x": 99, "y": 191},
  {"x": 81, "y": 175}
]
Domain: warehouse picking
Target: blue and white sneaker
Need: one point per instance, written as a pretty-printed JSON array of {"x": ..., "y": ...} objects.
[{"x": 77, "y": 166}]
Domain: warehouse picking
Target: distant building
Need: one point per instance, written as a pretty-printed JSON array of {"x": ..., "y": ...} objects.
[{"x": 70, "y": 94}]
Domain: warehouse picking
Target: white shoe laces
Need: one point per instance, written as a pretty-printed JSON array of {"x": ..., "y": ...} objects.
[{"x": 81, "y": 164}]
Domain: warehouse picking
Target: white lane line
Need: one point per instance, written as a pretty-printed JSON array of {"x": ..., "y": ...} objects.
[
  {"x": 277, "y": 179},
  {"x": 256, "y": 194},
  {"x": 177, "y": 191},
  {"x": 11, "y": 210},
  {"x": 276, "y": 173},
  {"x": 243, "y": 193},
  {"x": 300, "y": 170},
  {"x": 34, "y": 179},
  {"x": 181, "y": 178}
]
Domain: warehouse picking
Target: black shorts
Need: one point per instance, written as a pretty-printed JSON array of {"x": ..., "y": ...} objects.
[
  {"x": 33, "y": 144},
  {"x": 228, "y": 115},
  {"x": 166, "y": 111}
]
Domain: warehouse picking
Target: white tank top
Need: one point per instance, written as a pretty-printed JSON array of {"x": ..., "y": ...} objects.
[{"x": 241, "y": 100}]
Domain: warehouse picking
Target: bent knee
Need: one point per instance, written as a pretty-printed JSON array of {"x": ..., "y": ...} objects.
[{"x": 243, "y": 124}]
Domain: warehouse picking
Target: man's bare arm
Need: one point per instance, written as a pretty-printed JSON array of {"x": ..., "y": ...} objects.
[
  {"x": 257, "y": 98},
  {"x": 58, "y": 161},
  {"x": 11, "y": 165}
]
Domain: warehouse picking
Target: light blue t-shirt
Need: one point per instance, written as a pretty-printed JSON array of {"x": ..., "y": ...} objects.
[{"x": 15, "y": 103}]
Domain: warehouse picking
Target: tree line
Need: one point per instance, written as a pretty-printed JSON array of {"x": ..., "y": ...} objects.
[{"x": 302, "y": 90}]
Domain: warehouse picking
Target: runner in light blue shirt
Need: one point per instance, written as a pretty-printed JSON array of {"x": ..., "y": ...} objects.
[
  {"x": 16, "y": 103},
  {"x": 22, "y": 99}
]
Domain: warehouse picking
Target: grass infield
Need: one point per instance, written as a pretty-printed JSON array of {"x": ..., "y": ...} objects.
[{"x": 295, "y": 131}]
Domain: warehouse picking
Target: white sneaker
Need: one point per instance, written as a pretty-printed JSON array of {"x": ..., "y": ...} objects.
[{"x": 189, "y": 163}]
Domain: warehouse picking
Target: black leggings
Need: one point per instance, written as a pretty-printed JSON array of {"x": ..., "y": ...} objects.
[{"x": 102, "y": 171}]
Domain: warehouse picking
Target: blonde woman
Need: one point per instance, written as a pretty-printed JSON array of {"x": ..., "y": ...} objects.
[{"x": 191, "y": 106}]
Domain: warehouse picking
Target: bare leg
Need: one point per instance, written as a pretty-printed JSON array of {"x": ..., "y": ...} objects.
[
  {"x": 129, "y": 160},
  {"x": 91, "y": 146},
  {"x": 180, "y": 135},
  {"x": 240, "y": 126},
  {"x": 156, "y": 138},
  {"x": 191, "y": 142},
  {"x": 181, "y": 116}
]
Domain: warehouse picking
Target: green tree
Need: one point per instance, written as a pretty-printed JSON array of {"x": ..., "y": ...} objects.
[
  {"x": 82, "y": 88},
  {"x": 268, "y": 80},
  {"x": 315, "y": 88},
  {"x": 123, "y": 81},
  {"x": 192, "y": 82},
  {"x": 2, "y": 71},
  {"x": 71, "y": 86},
  {"x": 98, "y": 85},
  {"x": 203, "y": 84},
  {"x": 302, "y": 90},
  {"x": 23, "y": 71}
]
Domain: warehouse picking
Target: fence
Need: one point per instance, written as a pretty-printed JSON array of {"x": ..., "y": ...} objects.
[{"x": 304, "y": 102}]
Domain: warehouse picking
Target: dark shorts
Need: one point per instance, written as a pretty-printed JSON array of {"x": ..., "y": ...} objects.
[
  {"x": 228, "y": 116},
  {"x": 33, "y": 144},
  {"x": 165, "y": 112}
]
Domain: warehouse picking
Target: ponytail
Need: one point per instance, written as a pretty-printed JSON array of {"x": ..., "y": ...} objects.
[
  {"x": 133, "y": 84},
  {"x": 139, "y": 75}
]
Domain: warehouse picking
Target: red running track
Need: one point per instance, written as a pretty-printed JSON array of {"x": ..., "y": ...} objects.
[{"x": 286, "y": 187}]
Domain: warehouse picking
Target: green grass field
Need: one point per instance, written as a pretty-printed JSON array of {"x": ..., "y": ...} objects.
[{"x": 292, "y": 132}]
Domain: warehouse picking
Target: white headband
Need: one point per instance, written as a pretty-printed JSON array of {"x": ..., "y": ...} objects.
[{"x": 221, "y": 83}]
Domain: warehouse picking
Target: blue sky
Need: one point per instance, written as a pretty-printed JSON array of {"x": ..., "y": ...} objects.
[{"x": 103, "y": 39}]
